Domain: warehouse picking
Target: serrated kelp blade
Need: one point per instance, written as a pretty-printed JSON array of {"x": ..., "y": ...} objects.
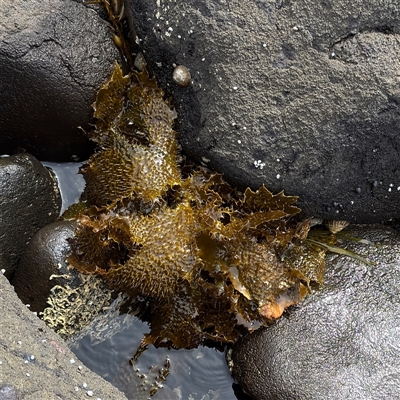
[
  {"x": 197, "y": 313},
  {"x": 264, "y": 200},
  {"x": 149, "y": 111},
  {"x": 92, "y": 250},
  {"x": 110, "y": 98},
  {"x": 259, "y": 271},
  {"x": 110, "y": 174},
  {"x": 167, "y": 252},
  {"x": 306, "y": 261},
  {"x": 241, "y": 223},
  {"x": 124, "y": 169}
]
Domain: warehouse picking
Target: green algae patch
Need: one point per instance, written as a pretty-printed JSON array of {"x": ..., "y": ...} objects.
[{"x": 205, "y": 262}]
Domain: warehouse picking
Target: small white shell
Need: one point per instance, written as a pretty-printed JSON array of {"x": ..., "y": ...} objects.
[
  {"x": 140, "y": 62},
  {"x": 336, "y": 225},
  {"x": 181, "y": 76}
]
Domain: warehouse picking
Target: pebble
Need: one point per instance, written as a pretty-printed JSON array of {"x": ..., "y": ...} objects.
[{"x": 181, "y": 76}]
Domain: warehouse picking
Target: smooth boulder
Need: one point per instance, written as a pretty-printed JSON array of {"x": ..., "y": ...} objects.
[
  {"x": 54, "y": 56},
  {"x": 342, "y": 342},
  {"x": 30, "y": 199},
  {"x": 44, "y": 264}
]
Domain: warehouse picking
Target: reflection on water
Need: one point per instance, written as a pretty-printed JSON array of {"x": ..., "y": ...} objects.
[
  {"x": 71, "y": 183},
  {"x": 197, "y": 374}
]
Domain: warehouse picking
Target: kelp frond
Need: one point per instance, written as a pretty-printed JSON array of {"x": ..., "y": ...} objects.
[{"x": 209, "y": 263}]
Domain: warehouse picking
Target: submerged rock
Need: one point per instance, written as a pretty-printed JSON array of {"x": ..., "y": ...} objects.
[
  {"x": 300, "y": 96},
  {"x": 342, "y": 342},
  {"x": 54, "y": 55},
  {"x": 43, "y": 264},
  {"x": 29, "y": 200}
]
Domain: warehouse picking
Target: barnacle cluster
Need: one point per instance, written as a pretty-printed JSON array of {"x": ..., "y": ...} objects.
[
  {"x": 206, "y": 261},
  {"x": 73, "y": 305}
]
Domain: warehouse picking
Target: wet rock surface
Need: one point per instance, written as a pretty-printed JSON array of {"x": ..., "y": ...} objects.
[
  {"x": 29, "y": 200},
  {"x": 300, "y": 96},
  {"x": 45, "y": 256},
  {"x": 36, "y": 363},
  {"x": 341, "y": 342},
  {"x": 54, "y": 55}
]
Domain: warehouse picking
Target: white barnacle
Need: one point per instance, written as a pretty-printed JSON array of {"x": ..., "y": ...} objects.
[
  {"x": 336, "y": 226},
  {"x": 259, "y": 164}
]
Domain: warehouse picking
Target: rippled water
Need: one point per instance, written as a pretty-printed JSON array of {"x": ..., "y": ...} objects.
[{"x": 198, "y": 374}]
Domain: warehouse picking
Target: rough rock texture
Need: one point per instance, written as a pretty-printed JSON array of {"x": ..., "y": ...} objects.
[
  {"x": 342, "y": 342},
  {"x": 54, "y": 56},
  {"x": 35, "y": 362},
  {"x": 29, "y": 200},
  {"x": 45, "y": 256},
  {"x": 299, "y": 95}
]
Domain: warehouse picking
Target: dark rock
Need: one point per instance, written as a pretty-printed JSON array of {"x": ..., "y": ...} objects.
[
  {"x": 29, "y": 200},
  {"x": 54, "y": 56},
  {"x": 45, "y": 256},
  {"x": 301, "y": 96},
  {"x": 341, "y": 342}
]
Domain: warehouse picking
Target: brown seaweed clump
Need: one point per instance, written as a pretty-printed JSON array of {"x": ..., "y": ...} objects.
[{"x": 207, "y": 263}]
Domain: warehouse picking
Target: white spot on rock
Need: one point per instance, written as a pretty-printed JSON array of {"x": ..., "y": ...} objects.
[{"x": 259, "y": 164}]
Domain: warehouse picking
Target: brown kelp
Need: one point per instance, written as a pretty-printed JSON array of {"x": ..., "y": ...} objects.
[{"x": 205, "y": 261}]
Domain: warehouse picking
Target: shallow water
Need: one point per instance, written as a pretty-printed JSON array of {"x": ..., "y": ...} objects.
[
  {"x": 71, "y": 183},
  {"x": 198, "y": 374}
]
